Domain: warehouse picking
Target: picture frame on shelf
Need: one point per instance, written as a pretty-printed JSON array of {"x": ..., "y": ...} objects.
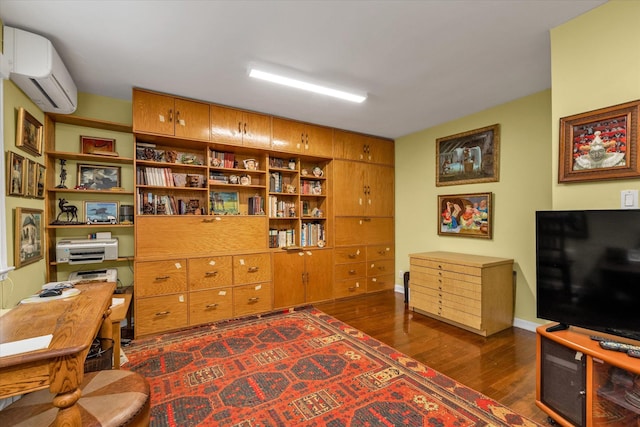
[
  {"x": 41, "y": 177},
  {"x": 466, "y": 215},
  {"x": 225, "y": 203},
  {"x": 29, "y": 133},
  {"x": 96, "y": 213},
  {"x": 15, "y": 174},
  {"x": 98, "y": 146},
  {"x": 30, "y": 178},
  {"x": 469, "y": 157},
  {"x": 28, "y": 231},
  {"x": 600, "y": 144},
  {"x": 98, "y": 177}
]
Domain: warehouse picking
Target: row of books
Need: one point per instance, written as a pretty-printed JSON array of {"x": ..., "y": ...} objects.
[
  {"x": 310, "y": 187},
  {"x": 275, "y": 182},
  {"x": 311, "y": 234},
  {"x": 222, "y": 159},
  {"x": 282, "y": 238},
  {"x": 255, "y": 205},
  {"x": 164, "y": 177},
  {"x": 281, "y": 208},
  {"x": 155, "y": 204},
  {"x": 148, "y": 151}
]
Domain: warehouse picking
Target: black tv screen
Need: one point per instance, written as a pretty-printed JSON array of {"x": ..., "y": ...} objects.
[{"x": 588, "y": 269}]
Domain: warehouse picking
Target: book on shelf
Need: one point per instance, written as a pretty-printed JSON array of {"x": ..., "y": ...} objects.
[
  {"x": 275, "y": 182},
  {"x": 222, "y": 159}
]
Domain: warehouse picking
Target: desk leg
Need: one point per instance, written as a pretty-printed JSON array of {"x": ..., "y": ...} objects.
[
  {"x": 116, "y": 344},
  {"x": 68, "y": 413}
]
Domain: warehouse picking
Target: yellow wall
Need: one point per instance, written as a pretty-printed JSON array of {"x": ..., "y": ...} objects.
[
  {"x": 27, "y": 280},
  {"x": 524, "y": 186},
  {"x": 595, "y": 64}
]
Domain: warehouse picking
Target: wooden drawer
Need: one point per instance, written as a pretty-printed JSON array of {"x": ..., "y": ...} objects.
[
  {"x": 456, "y": 302},
  {"x": 252, "y": 299},
  {"x": 355, "y": 231},
  {"x": 431, "y": 274},
  {"x": 159, "y": 314},
  {"x": 210, "y": 305},
  {"x": 210, "y": 272},
  {"x": 429, "y": 305},
  {"x": 378, "y": 252},
  {"x": 194, "y": 235},
  {"x": 380, "y": 283},
  {"x": 445, "y": 266},
  {"x": 252, "y": 268},
  {"x": 349, "y": 287},
  {"x": 350, "y": 271},
  {"x": 381, "y": 267},
  {"x": 160, "y": 277},
  {"x": 350, "y": 254}
]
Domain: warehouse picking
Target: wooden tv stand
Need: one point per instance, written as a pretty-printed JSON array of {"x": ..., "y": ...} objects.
[{"x": 580, "y": 383}]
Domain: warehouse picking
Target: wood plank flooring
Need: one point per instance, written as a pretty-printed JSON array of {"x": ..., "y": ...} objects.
[{"x": 502, "y": 366}]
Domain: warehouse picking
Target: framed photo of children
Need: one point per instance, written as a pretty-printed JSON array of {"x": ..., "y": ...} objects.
[
  {"x": 600, "y": 144},
  {"x": 466, "y": 215},
  {"x": 29, "y": 133}
]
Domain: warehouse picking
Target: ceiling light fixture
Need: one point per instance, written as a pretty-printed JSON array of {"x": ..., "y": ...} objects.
[{"x": 299, "y": 84}]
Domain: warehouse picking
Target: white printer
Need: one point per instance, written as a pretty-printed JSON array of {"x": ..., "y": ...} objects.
[{"x": 85, "y": 251}]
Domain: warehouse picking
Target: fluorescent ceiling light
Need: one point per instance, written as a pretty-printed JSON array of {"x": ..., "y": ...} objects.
[{"x": 274, "y": 78}]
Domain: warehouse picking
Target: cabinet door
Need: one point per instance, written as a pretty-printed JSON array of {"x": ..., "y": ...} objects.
[
  {"x": 192, "y": 120},
  {"x": 153, "y": 113},
  {"x": 380, "y": 151},
  {"x": 349, "y": 231},
  {"x": 288, "y": 275},
  {"x": 380, "y": 190},
  {"x": 226, "y": 125},
  {"x": 288, "y": 135},
  {"x": 318, "y": 141},
  {"x": 349, "y": 145},
  {"x": 319, "y": 274},
  {"x": 256, "y": 130},
  {"x": 349, "y": 191}
]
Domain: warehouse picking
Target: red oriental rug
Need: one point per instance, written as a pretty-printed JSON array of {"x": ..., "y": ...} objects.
[{"x": 299, "y": 368}]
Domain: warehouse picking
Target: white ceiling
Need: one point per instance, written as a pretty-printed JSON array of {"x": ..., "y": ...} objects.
[{"x": 422, "y": 63}]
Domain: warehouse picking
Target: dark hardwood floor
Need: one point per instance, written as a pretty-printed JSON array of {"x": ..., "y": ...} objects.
[{"x": 502, "y": 366}]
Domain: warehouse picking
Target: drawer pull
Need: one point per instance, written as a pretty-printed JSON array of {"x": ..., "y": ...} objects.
[
  {"x": 382, "y": 252},
  {"x": 352, "y": 288},
  {"x": 211, "y": 273},
  {"x": 253, "y": 269},
  {"x": 352, "y": 256},
  {"x": 208, "y": 221},
  {"x": 163, "y": 277},
  {"x": 439, "y": 266},
  {"x": 214, "y": 305},
  {"x": 352, "y": 272},
  {"x": 254, "y": 299},
  {"x": 162, "y": 313},
  {"x": 381, "y": 268}
]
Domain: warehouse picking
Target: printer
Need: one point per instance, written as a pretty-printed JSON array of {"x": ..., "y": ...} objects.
[{"x": 85, "y": 251}]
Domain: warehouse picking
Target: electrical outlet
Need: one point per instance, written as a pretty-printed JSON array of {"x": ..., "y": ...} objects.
[{"x": 401, "y": 274}]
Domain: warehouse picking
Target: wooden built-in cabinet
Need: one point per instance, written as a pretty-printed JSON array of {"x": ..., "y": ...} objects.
[
  {"x": 473, "y": 292},
  {"x": 579, "y": 383},
  {"x": 301, "y": 138},
  {"x": 246, "y": 214},
  {"x": 160, "y": 114},
  {"x": 354, "y": 146}
]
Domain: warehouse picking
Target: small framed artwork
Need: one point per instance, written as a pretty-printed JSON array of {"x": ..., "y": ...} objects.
[
  {"x": 30, "y": 178},
  {"x": 29, "y": 133},
  {"x": 466, "y": 215},
  {"x": 28, "y": 236},
  {"x": 41, "y": 174},
  {"x": 468, "y": 157},
  {"x": 15, "y": 174},
  {"x": 96, "y": 177},
  {"x": 99, "y": 146},
  {"x": 600, "y": 144},
  {"x": 101, "y": 212},
  {"x": 225, "y": 203}
]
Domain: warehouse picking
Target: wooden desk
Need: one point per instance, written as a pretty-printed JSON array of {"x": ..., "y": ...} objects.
[
  {"x": 118, "y": 314},
  {"x": 74, "y": 323}
]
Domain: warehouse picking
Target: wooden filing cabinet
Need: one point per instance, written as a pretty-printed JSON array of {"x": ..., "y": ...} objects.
[
  {"x": 210, "y": 291},
  {"x": 252, "y": 284},
  {"x": 470, "y": 291}
]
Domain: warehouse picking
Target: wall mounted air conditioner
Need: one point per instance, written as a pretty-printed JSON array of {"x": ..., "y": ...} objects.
[{"x": 38, "y": 70}]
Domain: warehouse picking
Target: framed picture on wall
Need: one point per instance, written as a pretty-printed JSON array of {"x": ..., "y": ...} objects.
[
  {"x": 15, "y": 174},
  {"x": 600, "y": 144},
  {"x": 28, "y": 236},
  {"x": 466, "y": 215},
  {"x": 468, "y": 157},
  {"x": 29, "y": 133}
]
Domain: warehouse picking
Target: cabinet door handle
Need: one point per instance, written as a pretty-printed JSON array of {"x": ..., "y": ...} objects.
[
  {"x": 253, "y": 269},
  {"x": 239, "y": 127},
  {"x": 170, "y": 115},
  {"x": 254, "y": 299},
  {"x": 211, "y": 273},
  {"x": 162, "y": 277},
  {"x": 208, "y": 221},
  {"x": 162, "y": 313},
  {"x": 177, "y": 116},
  {"x": 214, "y": 305},
  {"x": 245, "y": 128}
]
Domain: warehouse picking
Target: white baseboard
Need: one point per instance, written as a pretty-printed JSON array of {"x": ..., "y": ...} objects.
[{"x": 517, "y": 323}]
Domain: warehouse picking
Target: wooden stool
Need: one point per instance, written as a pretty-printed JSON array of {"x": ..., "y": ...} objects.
[{"x": 109, "y": 398}]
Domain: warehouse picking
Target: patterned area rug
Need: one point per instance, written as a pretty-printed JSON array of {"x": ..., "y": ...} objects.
[{"x": 299, "y": 368}]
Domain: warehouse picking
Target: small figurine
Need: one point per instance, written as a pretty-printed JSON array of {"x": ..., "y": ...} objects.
[
  {"x": 63, "y": 174},
  {"x": 70, "y": 210}
]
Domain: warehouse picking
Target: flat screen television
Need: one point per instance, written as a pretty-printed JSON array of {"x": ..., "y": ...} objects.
[{"x": 588, "y": 269}]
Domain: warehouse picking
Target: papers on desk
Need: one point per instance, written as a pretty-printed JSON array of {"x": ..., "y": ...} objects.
[
  {"x": 116, "y": 301},
  {"x": 25, "y": 346}
]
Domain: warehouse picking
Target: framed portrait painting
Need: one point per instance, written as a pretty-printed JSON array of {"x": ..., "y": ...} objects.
[
  {"x": 29, "y": 133},
  {"x": 600, "y": 144},
  {"x": 466, "y": 215},
  {"x": 28, "y": 236},
  {"x": 468, "y": 157},
  {"x": 16, "y": 166}
]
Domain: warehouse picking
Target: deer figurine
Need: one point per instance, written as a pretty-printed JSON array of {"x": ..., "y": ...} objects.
[{"x": 70, "y": 210}]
